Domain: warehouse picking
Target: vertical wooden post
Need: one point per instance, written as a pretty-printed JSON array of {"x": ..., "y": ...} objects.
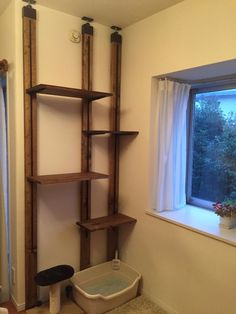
[
  {"x": 30, "y": 116},
  {"x": 85, "y": 207},
  {"x": 112, "y": 234}
]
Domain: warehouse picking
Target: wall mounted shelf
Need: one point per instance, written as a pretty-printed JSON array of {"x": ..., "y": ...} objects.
[
  {"x": 66, "y": 92},
  {"x": 114, "y": 219},
  {"x": 67, "y": 177},
  {"x": 106, "y": 222},
  {"x": 118, "y": 133}
]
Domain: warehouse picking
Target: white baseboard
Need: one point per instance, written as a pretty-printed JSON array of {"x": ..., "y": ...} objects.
[
  {"x": 159, "y": 302},
  {"x": 19, "y": 307}
]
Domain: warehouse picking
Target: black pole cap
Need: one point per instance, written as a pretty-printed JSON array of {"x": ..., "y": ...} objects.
[
  {"x": 29, "y": 12},
  {"x": 116, "y": 38},
  {"x": 87, "y": 19},
  {"x": 87, "y": 28},
  {"x": 30, "y": 2},
  {"x": 116, "y": 28}
]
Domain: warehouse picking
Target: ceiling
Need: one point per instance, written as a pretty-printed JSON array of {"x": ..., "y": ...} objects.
[
  {"x": 109, "y": 12},
  {"x": 223, "y": 70}
]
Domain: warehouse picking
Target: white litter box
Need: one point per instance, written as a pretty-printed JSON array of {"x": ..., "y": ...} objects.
[{"x": 99, "y": 289}]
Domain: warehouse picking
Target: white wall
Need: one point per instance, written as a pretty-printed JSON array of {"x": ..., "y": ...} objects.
[
  {"x": 59, "y": 138},
  {"x": 186, "y": 271},
  {"x": 8, "y": 51},
  {"x": 182, "y": 270},
  {"x": 58, "y": 63}
]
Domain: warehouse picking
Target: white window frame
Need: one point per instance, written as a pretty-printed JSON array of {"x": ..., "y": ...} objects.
[{"x": 209, "y": 87}]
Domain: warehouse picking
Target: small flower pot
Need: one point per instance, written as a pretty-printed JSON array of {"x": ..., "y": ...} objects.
[{"x": 228, "y": 222}]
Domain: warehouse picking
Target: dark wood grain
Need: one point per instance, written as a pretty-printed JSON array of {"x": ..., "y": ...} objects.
[
  {"x": 118, "y": 133},
  {"x": 114, "y": 142},
  {"x": 86, "y": 152},
  {"x": 67, "y": 177},
  {"x": 106, "y": 222},
  {"x": 67, "y": 92},
  {"x": 30, "y": 138}
]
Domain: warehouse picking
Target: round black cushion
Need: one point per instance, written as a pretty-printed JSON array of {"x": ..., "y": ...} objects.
[{"x": 53, "y": 275}]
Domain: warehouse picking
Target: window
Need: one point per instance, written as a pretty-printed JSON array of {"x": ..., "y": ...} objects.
[{"x": 212, "y": 157}]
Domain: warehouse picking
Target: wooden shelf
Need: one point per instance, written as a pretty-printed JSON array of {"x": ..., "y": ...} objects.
[
  {"x": 66, "y": 92},
  {"x": 67, "y": 177},
  {"x": 117, "y": 133},
  {"x": 96, "y": 132},
  {"x": 106, "y": 222},
  {"x": 124, "y": 133}
]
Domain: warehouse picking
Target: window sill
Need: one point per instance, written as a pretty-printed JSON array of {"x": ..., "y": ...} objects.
[{"x": 198, "y": 220}]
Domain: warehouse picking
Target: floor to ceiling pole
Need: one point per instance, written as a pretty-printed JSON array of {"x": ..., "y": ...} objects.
[
  {"x": 85, "y": 206},
  {"x": 115, "y": 78},
  {"x": 30, "y": 116}
]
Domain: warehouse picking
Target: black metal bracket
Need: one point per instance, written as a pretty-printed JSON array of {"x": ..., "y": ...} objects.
[
  {"x": 87, "y": 19},
  {"x": 116, "y": 28},
  {"x": 87, "y": 28},
  {"x": 116, "y": 37},
  {"x": 29, "y": 11},
  {"x": 30, "y": 2}
]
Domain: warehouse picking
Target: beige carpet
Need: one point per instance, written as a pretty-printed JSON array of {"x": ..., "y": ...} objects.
[
  {"x": 139, "y": 305},
  {"x": 67, "y": 307}
]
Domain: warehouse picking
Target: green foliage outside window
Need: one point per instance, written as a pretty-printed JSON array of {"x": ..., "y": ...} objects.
[{"x": 214, "y": 151}]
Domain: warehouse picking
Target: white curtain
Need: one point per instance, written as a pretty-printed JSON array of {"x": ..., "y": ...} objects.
[
  {"x": 4, "y": 240},
  {"x": 169, "y": 145}
]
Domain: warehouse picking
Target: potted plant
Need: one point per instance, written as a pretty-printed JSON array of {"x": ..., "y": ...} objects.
[{"x": 227, "y": 212}]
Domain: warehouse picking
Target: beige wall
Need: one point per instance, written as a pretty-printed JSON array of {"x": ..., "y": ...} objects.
[
  {"x": 8, "y": 51},
  {"x": 59, "y": 138},
  {"x": 59, "y": 63},
  {"x": 181, "y": 269},
  {"x": 184, "y": 271}
]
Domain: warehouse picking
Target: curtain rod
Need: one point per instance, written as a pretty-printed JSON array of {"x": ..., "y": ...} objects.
[
  {"x": 203, "y": 82},
  {"x": 3, "y": 66}
]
